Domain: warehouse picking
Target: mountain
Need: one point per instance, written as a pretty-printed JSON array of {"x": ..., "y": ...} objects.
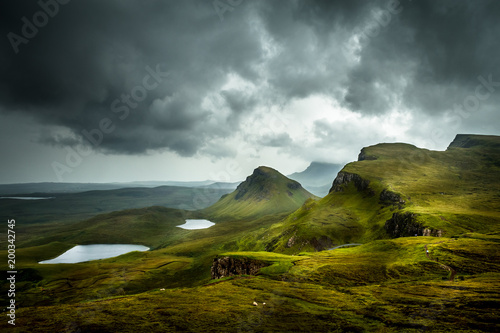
[
  {"x": 397, "y": 190},
  {"x": 393, "y": 282},
  {"x": 317, "y": 178},
  {"x": 223, "y": 185},
  {"x": 264, "y": 192},
  {"x": 28, "y": 188}
]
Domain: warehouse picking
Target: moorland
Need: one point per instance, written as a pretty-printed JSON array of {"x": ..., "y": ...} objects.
[{"x": 428, "y": 223}]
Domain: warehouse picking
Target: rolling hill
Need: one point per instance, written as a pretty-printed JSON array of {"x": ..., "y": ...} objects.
[{"x": 264, "y": 192}]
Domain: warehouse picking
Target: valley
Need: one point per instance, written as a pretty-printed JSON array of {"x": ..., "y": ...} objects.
[{"x": 422, "y": 230}]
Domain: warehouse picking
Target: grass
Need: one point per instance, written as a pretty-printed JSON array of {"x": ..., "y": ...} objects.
[
  {"x": 455, "y": 191},
  {"x": 393, "y": 287},
  {"x": 384, "y": 285}
]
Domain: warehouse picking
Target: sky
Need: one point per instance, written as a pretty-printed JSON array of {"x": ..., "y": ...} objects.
[{"x": 130, "y": 90}]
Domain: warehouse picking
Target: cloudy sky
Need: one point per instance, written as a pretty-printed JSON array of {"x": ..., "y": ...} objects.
[{"x": 123, "y": 90}]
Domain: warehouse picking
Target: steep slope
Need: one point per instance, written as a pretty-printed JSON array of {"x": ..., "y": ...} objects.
[
  {"x": 264, "y": 192},
  {"x": 317, "y": 178},
  {"x": 397, "y": 190}
]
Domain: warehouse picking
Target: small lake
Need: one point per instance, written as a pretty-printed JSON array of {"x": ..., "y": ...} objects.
[
  {"x": 27, "y": 198},
  {"x": 194, "y": 224},
  {"x": 81, "y": 253}
]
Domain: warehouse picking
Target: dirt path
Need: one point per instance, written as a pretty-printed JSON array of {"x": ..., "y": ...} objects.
[{"x": 443, "y": 266}]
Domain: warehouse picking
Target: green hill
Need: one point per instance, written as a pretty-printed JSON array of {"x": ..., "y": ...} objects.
[
  {"x": 444, "y": 280},
  {"x": 397, "y": 190},
  {"x": 265, "y": 192}
]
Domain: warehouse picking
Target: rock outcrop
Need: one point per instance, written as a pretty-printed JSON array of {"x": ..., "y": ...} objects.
[
  {"x": 406, "y": 225},
  {"x": 228, "y": 266},
  {"x": 344, "y": 178},
  {"x": 403, "y": 225},
  {"x": 321, "y": 243},
  {"x": 363, "y": 156},
  {"x": 432, "y": 232},
  {"x": 390, "y": 198}
]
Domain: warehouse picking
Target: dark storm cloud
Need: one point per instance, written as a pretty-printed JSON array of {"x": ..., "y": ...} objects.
[
  {"x": 84, "y": 64},
  {"x": 93, "y": 53},
  {"x": 422, "y": 54},
  {"x": 428, "y": 55},
  {"x": 239, "y": 102}
]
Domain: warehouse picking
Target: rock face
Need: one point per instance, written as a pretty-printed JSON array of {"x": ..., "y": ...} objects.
[
  {"x": 363, "y": 156},
  {"x": 432, "y": 232},
  {"x": 406, "y": 225},
  {"x": 403, "y": 225},
  {"x": 344, "y": 178},
  {"x": 391, "y": 198},
  {"x": 321, "y": 243},
  {"x": 227, "y": 266}
]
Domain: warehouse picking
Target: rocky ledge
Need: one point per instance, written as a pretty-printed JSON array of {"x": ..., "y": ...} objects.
[
  {"x": 390, "y": 198},
  {"x": 228, "y": 266},
  {"x": 344, "y": 178},
  {"x": 406, "y": 225}
]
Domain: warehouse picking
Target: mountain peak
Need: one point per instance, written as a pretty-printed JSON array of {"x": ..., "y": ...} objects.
[
  {"x": 263, "y": 183},
  {"x": 265, "y": 191},
  {"x": 318, "y": 177}
]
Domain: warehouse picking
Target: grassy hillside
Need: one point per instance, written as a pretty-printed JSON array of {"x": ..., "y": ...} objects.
[
  {"x": 385, "y": 286},
  {"x": 179, "y": 257},
  {"x": 155, "y": 227},
  {"x": 264, "y": 192},
  {"x": 391, "y": 283},
  {"x": 401, "y": 190}
]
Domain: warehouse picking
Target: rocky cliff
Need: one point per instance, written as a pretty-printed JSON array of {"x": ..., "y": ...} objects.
[
  {"x": 364, "y": 156},
  {"x": 406, "y": 225},
  {"x": 344, "y": 178},
  {"x": 228, "y": 266},
  {"x": 390, "y": 198}
]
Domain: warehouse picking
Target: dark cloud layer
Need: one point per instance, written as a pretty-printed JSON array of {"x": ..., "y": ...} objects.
[{"x": 369, "y": 56}]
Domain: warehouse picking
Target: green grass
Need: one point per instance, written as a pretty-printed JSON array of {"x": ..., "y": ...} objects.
[
  {"x": 393, "y": 287},
  {"x": 384, "y": 285},
  {"x": 455, "y": 191}
]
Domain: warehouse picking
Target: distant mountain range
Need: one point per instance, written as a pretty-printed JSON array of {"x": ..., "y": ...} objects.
[
  {"x": 318, "y": 177},
  {"x": 49, "y": 187}
]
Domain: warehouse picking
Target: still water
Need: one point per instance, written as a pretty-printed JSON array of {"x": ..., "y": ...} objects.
[
  {"x": 196, "y": 224},
  {"x": 27, "y": 198},
  {"x": 81, "y": 253}
]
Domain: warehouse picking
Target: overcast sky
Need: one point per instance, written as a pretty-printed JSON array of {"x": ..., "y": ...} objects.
[{"x": 101, "y": 91}]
